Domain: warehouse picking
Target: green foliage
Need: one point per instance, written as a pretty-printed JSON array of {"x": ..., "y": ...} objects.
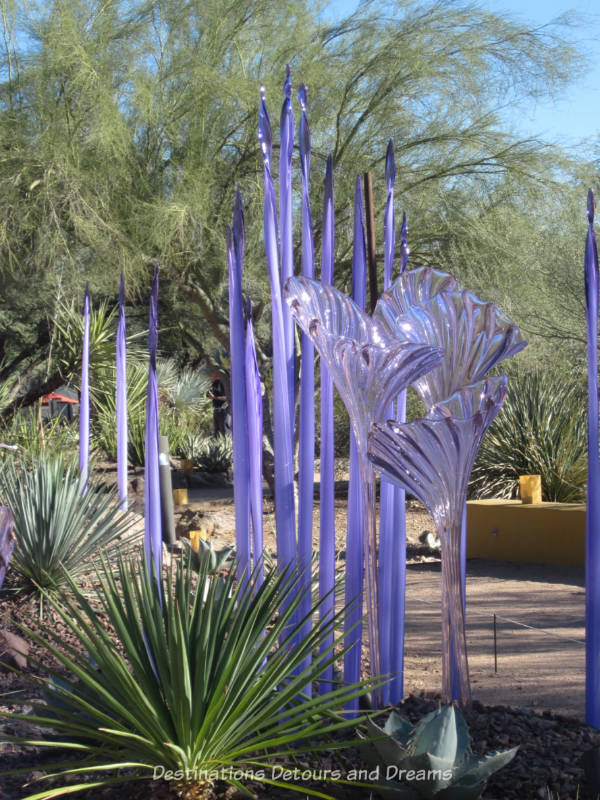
[
  {"x": 439, "y": 748},
  {"x": 196, "y": 682},
  {"x": 207, "y": 559},
  {"x": 168, "y": 426},
  {"x": 181, "y": 396},
  {"x": 182, "y": 391},
  {"x": 126, "y": 129},
  {"x": 55, "y": 435},
  {"x": 59, "y": 526},
  {"x": 540, "y": 431},
  {"x": 214, "y": 454}
]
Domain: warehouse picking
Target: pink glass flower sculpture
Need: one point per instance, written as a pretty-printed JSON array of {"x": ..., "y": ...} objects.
[
  {"x": 474, "y": 334},
  {"x": 369, "y": 368},
  {"x": 432, "y": 459}
]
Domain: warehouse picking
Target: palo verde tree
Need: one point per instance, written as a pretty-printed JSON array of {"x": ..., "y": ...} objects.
[{"x": 126, "y": 126}]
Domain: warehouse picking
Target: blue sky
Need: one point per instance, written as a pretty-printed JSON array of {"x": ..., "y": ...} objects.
[{"x": 574, "y": 116}]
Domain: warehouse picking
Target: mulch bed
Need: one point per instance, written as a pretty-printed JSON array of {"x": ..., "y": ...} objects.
[{"x": 547, "y": 765}]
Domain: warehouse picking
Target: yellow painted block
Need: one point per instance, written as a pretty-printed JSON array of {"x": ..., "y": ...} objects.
[
  {"x": 508, "y": 530},
  {"x": 531, "y": 488},
  {"x": 195, "y": 537},
  {"x": 180, "y": 497}
]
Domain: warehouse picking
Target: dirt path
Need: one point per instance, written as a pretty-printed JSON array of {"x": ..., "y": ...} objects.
[{"x": 539, "y": 667}]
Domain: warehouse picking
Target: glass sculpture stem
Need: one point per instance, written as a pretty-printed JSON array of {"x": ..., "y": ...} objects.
[
  {"x": 370, "y": 544},
  {"x": 455, "y": 668}
]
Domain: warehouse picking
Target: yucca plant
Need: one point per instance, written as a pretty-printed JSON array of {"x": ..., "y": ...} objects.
[
  {"x": 181, "y": 391},
  {"x": 198, "y": 684},
  {"x": 68, "y": 337},
  {"x": 214, "y": 454},
  {"x": 58, "y": 526},
  {"x": 540, "y": 431},
  {"x": 104, "y": 430}
]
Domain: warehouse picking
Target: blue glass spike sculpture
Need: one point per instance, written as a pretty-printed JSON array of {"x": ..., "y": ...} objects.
[
  {"x": 369, "y": 369},
  {"x": 432, "y": 459},
  {"x": 592, "y": 529}
]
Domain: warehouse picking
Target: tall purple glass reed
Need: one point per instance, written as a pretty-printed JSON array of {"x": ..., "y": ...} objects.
[
  {"x": 432, "y": 458},
  {"x": 399, "y": 556},
  {"x": 327, "y": 487},
  {"x": 84, "y": 401},
  {"x": 592, "y": 555},
  {"x": 306, "y": 465},
  {"x": 283, "y": 422},
  {"x": 241, "y": 469},
  {"x": 392, "y": 536},
  {"x": 286, "y": 149},
  {"x": 354, "y": 530},
  {"x": 152, "y": 517},
  {"x": 255, "y": 460},
  {"x": 121, "y": 399}
]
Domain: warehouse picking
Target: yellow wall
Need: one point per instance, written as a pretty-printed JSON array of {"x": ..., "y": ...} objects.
[{"x": 545, "y": 533}]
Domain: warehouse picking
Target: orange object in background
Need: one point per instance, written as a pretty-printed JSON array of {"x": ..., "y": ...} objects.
[
  {"x": 180, "y": 497},
  {"x": 531, "y": 489}
]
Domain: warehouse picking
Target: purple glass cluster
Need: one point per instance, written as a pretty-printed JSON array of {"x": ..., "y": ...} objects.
[{"x": 426, "y": 332}]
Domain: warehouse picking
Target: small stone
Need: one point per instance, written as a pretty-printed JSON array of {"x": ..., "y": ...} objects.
[{"x": 13, "y": 650}]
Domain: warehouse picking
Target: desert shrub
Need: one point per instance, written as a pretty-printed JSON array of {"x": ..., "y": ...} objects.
[
  {"x": 167, "y": 425},
  {"x": 56, "y": 435},
  {"x": 198, "y": 680},
  {"x": 540, "y": 431},
  {"x": 58, "y": 525}
]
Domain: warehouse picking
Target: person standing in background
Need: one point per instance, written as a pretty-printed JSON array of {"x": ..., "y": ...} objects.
[{"x": 220, "y": 405}]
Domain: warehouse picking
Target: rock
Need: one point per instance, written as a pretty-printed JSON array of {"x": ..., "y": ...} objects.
[{"x": 13, "y": 650}]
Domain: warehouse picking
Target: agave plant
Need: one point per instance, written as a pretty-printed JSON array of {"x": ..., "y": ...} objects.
[
  {"x": 57, "y": 526},
  {"x": 215, "y": 454},
  {"x": 434, "y": 757},
  {"x": 197, "y": 684},
  {"x": 205, "y": 557}
]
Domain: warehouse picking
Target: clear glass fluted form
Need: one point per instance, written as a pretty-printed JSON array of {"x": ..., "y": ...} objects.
[
  {"x": 426, "y": 305},
  {"x": 432, "y": 459},
  {"x": 369, "y": 368}
]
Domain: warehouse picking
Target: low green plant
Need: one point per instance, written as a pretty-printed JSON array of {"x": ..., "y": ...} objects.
[
  {"x": 34, "y": 439},
  {"x": 189, "y": 445},
  {"x": 434, "y": 757},
  {"x": 214, "y": 454},
  {"x": 168, "y": 426},
  {"x": 206, "y": 558},
  {"x": 199, "y": 684},
  {"x": 540, "y": 431},
  {"x": 59, "y": 525}
]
